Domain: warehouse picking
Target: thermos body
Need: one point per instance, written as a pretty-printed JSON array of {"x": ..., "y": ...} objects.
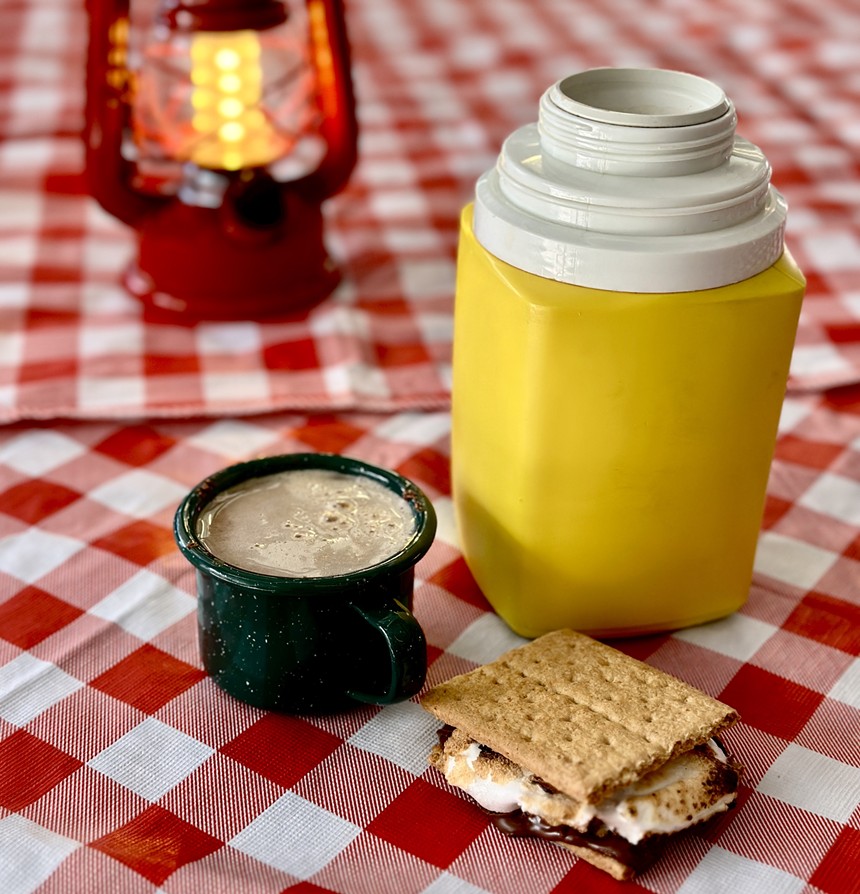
[{"x": 611, "y": 450}]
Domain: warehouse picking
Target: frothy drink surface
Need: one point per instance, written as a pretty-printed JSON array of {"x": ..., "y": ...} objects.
[{"x": 306, "y": 523}]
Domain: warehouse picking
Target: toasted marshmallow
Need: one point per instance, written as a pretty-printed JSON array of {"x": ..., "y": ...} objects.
[{"x": 686, "y": 791}]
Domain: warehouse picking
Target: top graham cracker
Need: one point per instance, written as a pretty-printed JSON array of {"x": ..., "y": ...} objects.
[{"x": 579, "y": 714}]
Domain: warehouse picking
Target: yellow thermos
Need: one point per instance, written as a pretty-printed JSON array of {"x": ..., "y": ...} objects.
[{"x": 625, "y": 316}]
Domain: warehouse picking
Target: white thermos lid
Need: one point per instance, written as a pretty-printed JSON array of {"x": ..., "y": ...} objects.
[{"x": 632, "y": 180}]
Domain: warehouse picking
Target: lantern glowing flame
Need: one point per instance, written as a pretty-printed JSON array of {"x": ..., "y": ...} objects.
[{"x": 230, "y": 130}]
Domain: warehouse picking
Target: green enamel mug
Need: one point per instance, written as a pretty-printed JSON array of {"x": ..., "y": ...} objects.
[{"x": 310, "y": 644}]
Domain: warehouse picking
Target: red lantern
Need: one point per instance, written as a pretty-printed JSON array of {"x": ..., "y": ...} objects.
[{"x": 218, "y": 144}]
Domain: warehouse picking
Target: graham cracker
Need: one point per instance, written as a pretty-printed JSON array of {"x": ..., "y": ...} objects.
[
  {"x": 579, "y": 714},
  {"x": 618, "y": 870}
]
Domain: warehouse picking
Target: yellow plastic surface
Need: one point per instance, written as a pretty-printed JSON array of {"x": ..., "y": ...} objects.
[{"x": 611, "y": 450}]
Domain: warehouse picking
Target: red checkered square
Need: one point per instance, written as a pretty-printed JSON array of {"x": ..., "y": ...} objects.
[
  {"x": 31, "y": 768},
  {"x": 328, "y": 434},
  {"x": 392, "y": 355},
  {"x": 140, "y": 542},
  {"x": 641, "y": 648},
  {"x": 170, "y": 365},
  {"x": 242, "y": 795},
  {"x": 156, "y": 843},
  {"x": 818, "y": 455},
  {"x": 827, "y": 620},
  {"x": 43, "y": 317},
  {"x": 844, "y": 400},
  {"x": 62, "y": 369},
  {"x": 843, "y": 333},
  {"x": 583, "y": 877},
  {"x": 433, "y": 652},
  {"x": 428, "y": 467},
  {"x": 852, "y": 551},
  {"x": 282, "y": 748},
  {"x": 435, "y": 825},
  {"x": 838, "y": 871},
  {"x": 457, "y": 578},
  {"x": 306, "y": 888},
  {"x": 293, "y": 354},
  {"x": 148, "y": 678},
  {"x": 135, "y": 445},
  {"x": 32, "y": 615},
  {"x": 769, "y": 702},
  {"x": 774, "y": 509},
  {"x": 32, "y": 501}
]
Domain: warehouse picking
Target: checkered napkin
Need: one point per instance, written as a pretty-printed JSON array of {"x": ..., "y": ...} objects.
[
  {"x": 439, "y": 86},
  {"x": 124, "y": 768}
]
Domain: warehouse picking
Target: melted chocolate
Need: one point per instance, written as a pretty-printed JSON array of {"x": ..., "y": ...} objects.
[
  {"x": 597, "y": 837},
  {"x": 443, "y": 734}
]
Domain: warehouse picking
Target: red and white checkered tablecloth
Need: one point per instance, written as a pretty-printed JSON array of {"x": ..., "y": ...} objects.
[{"x": 122, "y": 767}]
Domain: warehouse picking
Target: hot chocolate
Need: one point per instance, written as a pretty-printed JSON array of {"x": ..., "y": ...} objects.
[{"x": 306, "y": 523}]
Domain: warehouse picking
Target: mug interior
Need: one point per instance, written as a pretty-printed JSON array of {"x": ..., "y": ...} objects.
[{"x": 195, "y": 503}]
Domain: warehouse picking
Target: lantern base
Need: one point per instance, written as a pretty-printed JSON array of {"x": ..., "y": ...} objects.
[
  {"x": 240, "y": 304},
  {"x": 206, "y": 264}
]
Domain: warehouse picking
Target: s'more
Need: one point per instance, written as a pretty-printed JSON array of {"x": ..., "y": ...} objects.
[{"x": 570, "y": 740}]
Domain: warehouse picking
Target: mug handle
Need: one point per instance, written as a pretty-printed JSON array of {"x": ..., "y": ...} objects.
[{"x": 407, "y": 652}]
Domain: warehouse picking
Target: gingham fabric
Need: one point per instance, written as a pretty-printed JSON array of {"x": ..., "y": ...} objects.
[{"x": 122, "y": 767}]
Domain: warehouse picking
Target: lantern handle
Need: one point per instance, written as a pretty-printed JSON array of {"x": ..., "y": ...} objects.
[
  {"x": 108, "y": 88},
  {"x": 330, "y": 54}
]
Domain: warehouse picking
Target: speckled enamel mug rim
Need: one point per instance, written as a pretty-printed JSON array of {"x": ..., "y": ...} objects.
[{"x": 189, "y": 510}]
